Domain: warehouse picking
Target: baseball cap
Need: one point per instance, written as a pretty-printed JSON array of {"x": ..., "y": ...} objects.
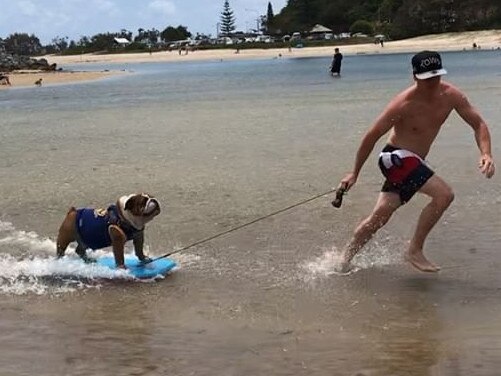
[{"x": 427, "y": 64}]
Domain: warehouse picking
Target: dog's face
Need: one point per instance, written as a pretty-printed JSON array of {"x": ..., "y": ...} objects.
[{"x": 142, "y": 207}]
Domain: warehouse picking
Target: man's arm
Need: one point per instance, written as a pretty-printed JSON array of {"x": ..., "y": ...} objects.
[
  {"x": 387, "y": 120},
  {"x": 482, "y": 136}
]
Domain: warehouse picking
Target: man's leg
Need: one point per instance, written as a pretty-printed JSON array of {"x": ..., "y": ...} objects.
[
  {"x": 441, "y": 197},
  {"x": 386, "y": 205}
]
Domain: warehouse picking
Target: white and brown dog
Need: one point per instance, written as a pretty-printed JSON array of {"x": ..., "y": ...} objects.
[{"x": 113, "y": 226}]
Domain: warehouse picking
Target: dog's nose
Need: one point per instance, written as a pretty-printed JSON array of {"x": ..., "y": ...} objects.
[{"x": 151, "y": 206}]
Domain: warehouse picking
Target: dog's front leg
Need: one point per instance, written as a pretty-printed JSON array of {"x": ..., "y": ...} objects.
[
  {"x": 138, "y": 241},
  {"x": 118, "y": 239}
]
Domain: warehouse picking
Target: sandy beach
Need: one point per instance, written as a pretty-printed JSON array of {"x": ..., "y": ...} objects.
[
  {"x": 490, "y": 39},
  {"x": 28, "y": 78}
]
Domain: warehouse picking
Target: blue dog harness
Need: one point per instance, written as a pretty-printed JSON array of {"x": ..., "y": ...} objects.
[{"x": 93, "y": 224}]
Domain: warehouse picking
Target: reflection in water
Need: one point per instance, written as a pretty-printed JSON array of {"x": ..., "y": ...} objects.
[{"x": 408, "y": 335}]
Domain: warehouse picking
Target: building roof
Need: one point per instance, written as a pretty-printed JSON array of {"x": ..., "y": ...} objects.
[
  {"x": 122, "y": 40},
  {"x": 320, "y": 29}
]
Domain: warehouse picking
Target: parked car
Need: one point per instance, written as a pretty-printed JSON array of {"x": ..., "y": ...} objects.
[
  {"x": 263, "y": 38},
  {"x": 225, "y": 40}
]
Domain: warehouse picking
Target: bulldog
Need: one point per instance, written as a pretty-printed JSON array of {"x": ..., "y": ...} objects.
[{"x": 113, "y": 226}]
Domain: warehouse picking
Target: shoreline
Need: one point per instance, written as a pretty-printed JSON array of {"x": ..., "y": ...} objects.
[
  {"x": 486, "y": 40},
  {"x": 463, "y": 41},
  {"x": 27, "y": 78}
]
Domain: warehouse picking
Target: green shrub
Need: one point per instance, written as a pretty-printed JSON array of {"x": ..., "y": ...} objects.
[{"x": 362, "y": 26}]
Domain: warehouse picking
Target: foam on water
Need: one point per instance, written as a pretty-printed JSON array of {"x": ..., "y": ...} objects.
[
  {"x": 42, "y": 275},
  {"x": 28, "y": 240}
]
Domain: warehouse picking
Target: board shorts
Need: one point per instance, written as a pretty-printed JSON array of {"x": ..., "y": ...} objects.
[{"x": 405, "y": 172}]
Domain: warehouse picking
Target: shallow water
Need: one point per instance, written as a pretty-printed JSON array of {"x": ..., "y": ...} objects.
[{"x": 220, "y": 144}]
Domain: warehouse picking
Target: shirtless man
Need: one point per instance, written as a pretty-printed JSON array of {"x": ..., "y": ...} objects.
[{"x": 414, "y": 118}]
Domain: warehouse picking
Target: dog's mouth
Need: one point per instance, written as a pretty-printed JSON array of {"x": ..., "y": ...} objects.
[{"x": 151, "y": 207}]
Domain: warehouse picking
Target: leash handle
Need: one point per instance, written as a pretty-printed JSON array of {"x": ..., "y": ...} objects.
[{"x": 340, "y": 192}]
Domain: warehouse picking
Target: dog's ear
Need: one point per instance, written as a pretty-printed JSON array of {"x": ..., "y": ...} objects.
[{"x": 129, "y": 204}]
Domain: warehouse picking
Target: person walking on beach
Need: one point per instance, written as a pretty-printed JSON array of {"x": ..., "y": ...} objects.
[
  {"x": 414, "y": 118},
  {"x": 336, "y": 63},
  {"x": 4, "y": 79}
]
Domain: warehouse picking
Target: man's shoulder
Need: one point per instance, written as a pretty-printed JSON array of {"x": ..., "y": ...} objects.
[
  {"x": 405, "y": 94},
  {"x": 451, "y": 90},
  {"x": 445, "y": 85}
]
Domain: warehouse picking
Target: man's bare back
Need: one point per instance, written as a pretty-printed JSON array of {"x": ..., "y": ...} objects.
[{"x": 413, "y": 119}]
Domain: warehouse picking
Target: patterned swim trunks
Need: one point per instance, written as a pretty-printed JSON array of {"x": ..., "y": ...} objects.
[{"x": 405, "y": 172}]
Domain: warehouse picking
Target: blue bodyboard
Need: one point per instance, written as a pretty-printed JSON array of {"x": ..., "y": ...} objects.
[{"x": 151, "y": 270}]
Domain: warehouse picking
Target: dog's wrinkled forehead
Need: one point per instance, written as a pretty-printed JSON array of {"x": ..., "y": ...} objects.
[{"x": 139, "y": 201}]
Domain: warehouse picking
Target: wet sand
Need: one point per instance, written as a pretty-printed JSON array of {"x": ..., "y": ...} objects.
[{"x": 28, "y": 78}]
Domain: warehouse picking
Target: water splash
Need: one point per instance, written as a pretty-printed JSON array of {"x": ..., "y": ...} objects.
[
  {"x": 28, "y": 266},
  {"x": 378, "y": 254},
  {"x": 9, "y": 236},
  {"x": 41, "y": 275}
]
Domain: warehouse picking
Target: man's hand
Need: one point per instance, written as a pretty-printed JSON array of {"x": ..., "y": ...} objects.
[
  {"x": 486, "y": 165},
  {"x": 348, "y": 181},
  {"x": 343, "y": 187}
]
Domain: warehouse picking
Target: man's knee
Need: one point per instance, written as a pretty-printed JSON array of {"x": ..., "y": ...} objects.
[{"x": 444, "y": 198}]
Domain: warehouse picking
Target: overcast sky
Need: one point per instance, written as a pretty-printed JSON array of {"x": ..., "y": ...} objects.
[{"x": 75, "y": 18}]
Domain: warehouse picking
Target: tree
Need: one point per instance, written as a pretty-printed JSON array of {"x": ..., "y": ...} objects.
[
  {"x": 103, "y": 41},
  {"x": 22, "y": 44},
  {"x": 149, "y": 37},
  {"x": 59, "y": 43},
  {"x": 125, "y": 34},
  {"x": 172, "y": 34},
  {"x": 361, "y": 26},
  {"x": 399, "y": 18},
  {"x": 227, "y": 19},
  {"x": 267, "y": 22}
]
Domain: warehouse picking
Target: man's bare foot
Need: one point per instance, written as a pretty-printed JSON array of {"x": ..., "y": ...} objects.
[
  {"x": 345, "y": 268},
  {"x": 416, "y": 258}
]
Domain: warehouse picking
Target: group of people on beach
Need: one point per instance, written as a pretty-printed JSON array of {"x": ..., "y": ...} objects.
[{"x": 413, "y": 119}]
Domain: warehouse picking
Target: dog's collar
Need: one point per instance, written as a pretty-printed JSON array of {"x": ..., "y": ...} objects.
[{"x": 115, "y": 218}]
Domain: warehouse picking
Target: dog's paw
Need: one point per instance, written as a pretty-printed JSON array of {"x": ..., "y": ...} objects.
[
  {"x": 89, "y": 260},
  {"x": 145, "y": 260}
]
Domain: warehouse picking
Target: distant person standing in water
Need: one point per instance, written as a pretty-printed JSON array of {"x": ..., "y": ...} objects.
[
  {"x": 336, "y": 63},
  {"x": 413, "y": 118}
]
